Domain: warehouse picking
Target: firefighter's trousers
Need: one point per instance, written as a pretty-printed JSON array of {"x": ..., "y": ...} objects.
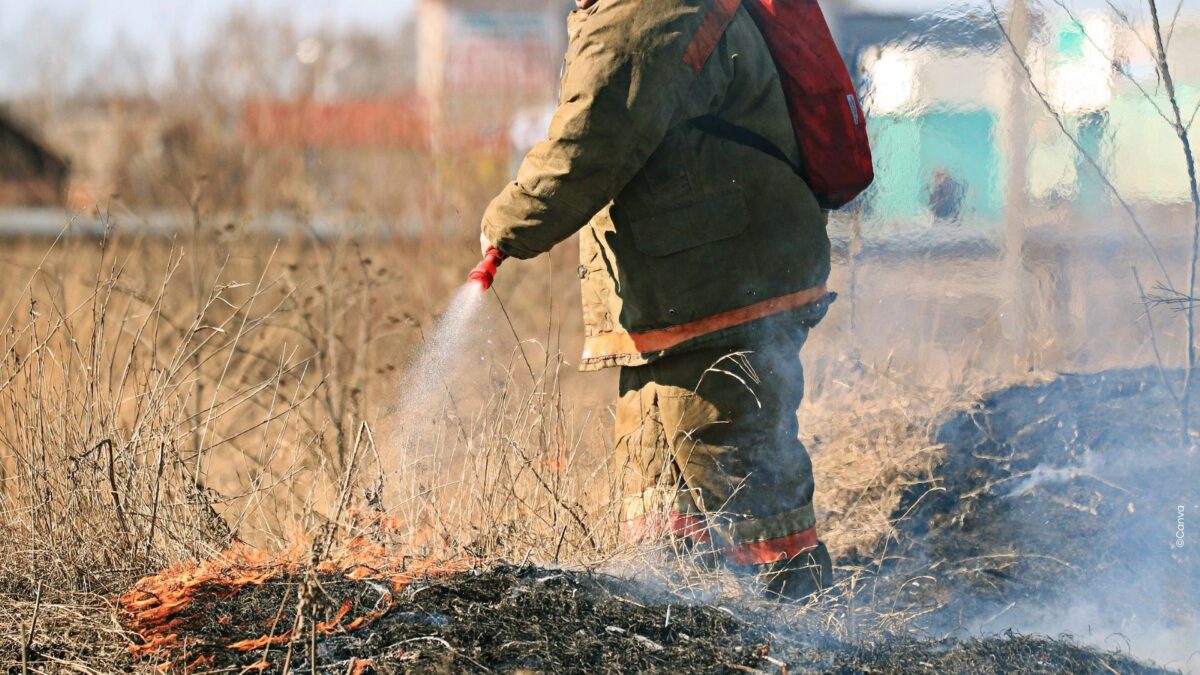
[{"x": 708, "y": 445}]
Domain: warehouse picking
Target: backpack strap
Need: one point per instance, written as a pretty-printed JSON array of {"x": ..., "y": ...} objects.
[
  {"x": 715, "y": 126},
  {"x": 708, "y": 35}
]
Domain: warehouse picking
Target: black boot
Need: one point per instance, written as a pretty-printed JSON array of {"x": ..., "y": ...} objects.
[{"x": 798, "y": 578}]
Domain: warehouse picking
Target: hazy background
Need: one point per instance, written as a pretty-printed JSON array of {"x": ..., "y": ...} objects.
[
  {"x": 287, "y": 197},
  {"x": 160, "y": 29}
]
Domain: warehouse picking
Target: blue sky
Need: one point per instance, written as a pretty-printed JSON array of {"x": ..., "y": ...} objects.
[
  {"x": 158, "y": 23},
  {"x": 45, "y": 31},
  {"x": 42, "y": 31}
]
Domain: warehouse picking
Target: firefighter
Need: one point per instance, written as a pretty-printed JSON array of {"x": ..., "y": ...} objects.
[{"x": 703, "y": 263}]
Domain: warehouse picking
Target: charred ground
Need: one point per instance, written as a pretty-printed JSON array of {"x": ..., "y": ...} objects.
[
  {"x": 1048, "y": 490},
  {"x": 510, "y": 619},
  {"x": 1055, "y": 499}
]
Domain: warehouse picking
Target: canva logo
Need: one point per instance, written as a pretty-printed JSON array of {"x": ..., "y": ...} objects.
[{"x": 1179, "y": 538}]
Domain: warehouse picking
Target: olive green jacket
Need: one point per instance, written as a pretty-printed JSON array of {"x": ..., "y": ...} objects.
[{"x": 688, "y": 239}]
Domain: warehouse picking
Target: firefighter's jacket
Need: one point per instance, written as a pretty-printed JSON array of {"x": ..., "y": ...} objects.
[{"x": 689, "y": 239}]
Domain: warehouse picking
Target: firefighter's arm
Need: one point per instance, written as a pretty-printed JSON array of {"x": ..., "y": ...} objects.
[{"x": 624, "y": 82}]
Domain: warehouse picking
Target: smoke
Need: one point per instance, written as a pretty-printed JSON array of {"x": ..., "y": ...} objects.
[
  {"x": 1061, "y": 508},
  {"x": 1086, "y": 613},
  {"x": 1137, "y": 593},
  {"x": 1044, "y": 475}
]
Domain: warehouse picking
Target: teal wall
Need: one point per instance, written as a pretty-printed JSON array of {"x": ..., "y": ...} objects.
[{"x": 909, "y": 149}]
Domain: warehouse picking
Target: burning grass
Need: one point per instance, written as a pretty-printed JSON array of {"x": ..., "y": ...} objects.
[
  {"x": 425, "y": 618},
  {"x": 247, "y": 607},
  {"x": 525, "y": 619}
]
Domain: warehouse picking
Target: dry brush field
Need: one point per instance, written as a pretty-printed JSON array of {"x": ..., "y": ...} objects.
[{"x": 165, "y": 400}]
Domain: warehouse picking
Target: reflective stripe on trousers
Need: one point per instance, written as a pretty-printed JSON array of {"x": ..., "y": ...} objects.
[{"x": 708, "y": 445}]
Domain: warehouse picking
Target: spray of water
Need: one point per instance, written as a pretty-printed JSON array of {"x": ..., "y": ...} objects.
[{"x": 425, "y": 389}]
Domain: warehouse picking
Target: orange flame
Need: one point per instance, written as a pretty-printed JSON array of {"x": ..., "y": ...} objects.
[
  {"x": 328, "y": 626},
  {"x": 170, "y": 611},
  {"x": 259, "y": 643}
]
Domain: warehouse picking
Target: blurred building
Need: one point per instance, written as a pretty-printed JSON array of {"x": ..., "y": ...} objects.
[
  {"x": 470, "y": 69},
  {"x": 136, "y": 148},
  {"x": 396, "y": 123},
  {"x": 937, "y": 90},
  {"x": 930, "y": 125},
  {"x": 352, "y": 152},
  {"x": 482, "y": 64},
  {"x": 31, "y": 173}
]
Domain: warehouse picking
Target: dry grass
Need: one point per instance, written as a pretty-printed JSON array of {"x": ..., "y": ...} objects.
[
  {"x": 160, "y": 400},
  {"x": 868, "y": 450}
]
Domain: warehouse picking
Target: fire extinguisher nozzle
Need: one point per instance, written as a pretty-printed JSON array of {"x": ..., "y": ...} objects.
[
  {"x": 485, "y": 272},
  {"x": 481, "y": 282}
]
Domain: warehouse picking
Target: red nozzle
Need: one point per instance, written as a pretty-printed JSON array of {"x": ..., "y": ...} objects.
[{"x": 485, "y": 272}]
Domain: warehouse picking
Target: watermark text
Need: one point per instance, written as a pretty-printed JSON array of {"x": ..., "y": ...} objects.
[{"x": 1179, "y": 529}]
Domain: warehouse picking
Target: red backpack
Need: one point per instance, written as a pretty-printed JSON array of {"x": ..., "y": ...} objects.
[{"x": 835, "y": 154}]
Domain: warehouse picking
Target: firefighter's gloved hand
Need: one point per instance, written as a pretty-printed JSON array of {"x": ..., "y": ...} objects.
[{"x": 484, "y": 244}]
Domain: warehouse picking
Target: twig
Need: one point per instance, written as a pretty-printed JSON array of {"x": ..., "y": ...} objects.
[
  {"x": 28, "y": 643},
  {"x": 1158, "y": 360},
  {"x": 296, "y": 623},
  {"x": 743, "y": 669},
  {"x": 112, "y": 485},
  {"x": 999, "y": 614},
  {"x": 1125, "y": 205},
  {"x": 520, "y": 344},
  {"x": 156, "y": 499},
  {"x": 1017, "y": 556},
  {"x": 1164, "y": 70},
  {"x": 448, "y": 646}
]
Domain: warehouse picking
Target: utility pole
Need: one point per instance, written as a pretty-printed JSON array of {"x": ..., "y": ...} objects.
[{"x": 1017, "y": 202}]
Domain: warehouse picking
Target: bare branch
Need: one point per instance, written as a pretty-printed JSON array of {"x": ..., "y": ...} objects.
[
  {"x": 1164, "y": 70},
  {"x": 1137, "y": 223}
]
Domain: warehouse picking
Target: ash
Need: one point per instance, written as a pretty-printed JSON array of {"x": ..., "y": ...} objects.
[
  {"x": 527, "y": 619},
  {"x": 1056, "y": 511}
]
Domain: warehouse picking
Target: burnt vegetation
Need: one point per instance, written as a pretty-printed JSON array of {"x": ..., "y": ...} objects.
[
  {"x": 1049, "y": 490},
  {"x": 975, "y": 547},
  {"x": 513, "y": 619}
]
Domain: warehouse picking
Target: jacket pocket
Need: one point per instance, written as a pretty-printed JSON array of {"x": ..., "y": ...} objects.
[{"x": 706, "y": 220}]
